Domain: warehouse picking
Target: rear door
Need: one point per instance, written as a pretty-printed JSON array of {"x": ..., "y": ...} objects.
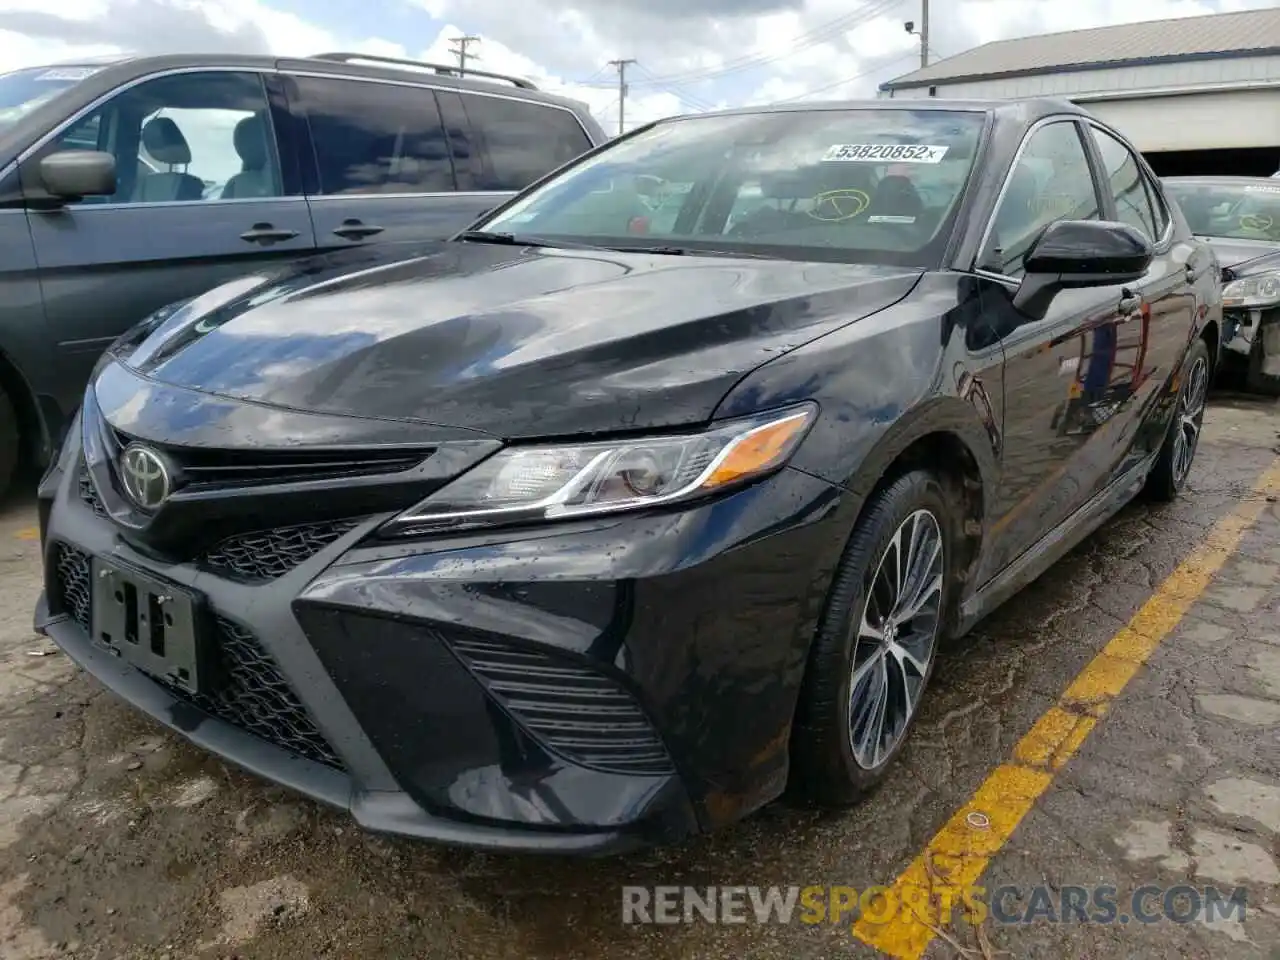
[
  {"x": 169, "y": 232},
  {"x": 1058, "y": 402},
  {"x": 381, "y": 164},
  {"x": 1159, "y": 316}
]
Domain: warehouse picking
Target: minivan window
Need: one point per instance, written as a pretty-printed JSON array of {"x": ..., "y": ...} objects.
[
  {"x": 376, "y": 137},
  {"x": 186, "y": 137},
  {"x": 23, "y": 90},
  {"x": 522, "y": 141},
  {"x": 871, "y": 185}
]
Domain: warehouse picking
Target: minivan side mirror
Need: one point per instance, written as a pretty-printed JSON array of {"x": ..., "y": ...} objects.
[
  {"x": 1070, "y": 254},
  {"x": 72, "y": 174}
]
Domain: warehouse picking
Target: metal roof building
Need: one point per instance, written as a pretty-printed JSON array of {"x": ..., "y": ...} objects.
[{"x": 1173, "y": 86}]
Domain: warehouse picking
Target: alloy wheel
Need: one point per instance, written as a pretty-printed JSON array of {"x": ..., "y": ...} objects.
[
  {"x": 1190, "y": 416},
  {"x": 895, "y": 638}
]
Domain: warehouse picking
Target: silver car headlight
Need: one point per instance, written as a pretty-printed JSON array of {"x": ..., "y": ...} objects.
[
  {"x": 1252, "y": 293},
  {"x": 560, "y": 481}
]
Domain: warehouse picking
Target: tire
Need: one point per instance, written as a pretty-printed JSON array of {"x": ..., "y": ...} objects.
[
  {"x": 1178, "y": 451},
  {"x": 826, "y": 767},
  {"x": 10, "y": 442},
  {"x": 1255, "y": 380}
]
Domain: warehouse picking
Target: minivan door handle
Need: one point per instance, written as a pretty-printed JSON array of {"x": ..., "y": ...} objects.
[
  {"x": 353, "y": 229},
  {"x": 266, "y": 234}
]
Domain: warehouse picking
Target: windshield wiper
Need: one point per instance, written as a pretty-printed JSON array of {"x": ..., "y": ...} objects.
[
  {"x": 694, "y": 252},
  {"x": 520, "y": 240}
]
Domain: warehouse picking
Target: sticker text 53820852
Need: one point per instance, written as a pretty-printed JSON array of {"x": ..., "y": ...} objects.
[{"x": 884, "y": 153}]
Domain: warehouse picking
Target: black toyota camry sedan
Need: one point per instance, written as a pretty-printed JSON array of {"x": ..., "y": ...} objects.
[
  {"x": 1240, "y": 218},
  {"x": 653, "y": 494}
]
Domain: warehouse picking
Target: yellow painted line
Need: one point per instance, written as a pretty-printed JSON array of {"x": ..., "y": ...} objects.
[
  {"x": 925, "y": 894},
  {"x": 28, "y": 533}
]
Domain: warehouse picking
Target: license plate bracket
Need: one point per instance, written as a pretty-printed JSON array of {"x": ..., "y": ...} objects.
[{"x": 151, "y": 624}]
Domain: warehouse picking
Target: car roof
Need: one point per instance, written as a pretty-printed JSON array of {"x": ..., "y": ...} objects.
[
  {"x": 113, "y": 72},
  {"x": 1018, "y": 111},
  {"x": 1218, "y": 178}
]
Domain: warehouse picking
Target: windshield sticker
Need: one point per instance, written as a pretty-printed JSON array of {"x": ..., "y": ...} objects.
[
  {"x": 888, "y": 219},
  {"x": 833, "y": 206},
  {"x": 64, "y": 74},
  {"x": 884, "y": 153},
  {"x": 1262, "y": 189}
]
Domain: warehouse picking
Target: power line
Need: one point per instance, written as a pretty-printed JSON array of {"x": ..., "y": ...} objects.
[
  {"x": 846, "y": 80},
  {"x": 810, "y": 38},
  {"x": 622, "y": 89},
  {"x": 461, "y": 52}
]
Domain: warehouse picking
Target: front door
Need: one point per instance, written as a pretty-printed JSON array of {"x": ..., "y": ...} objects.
[
  {"x": 1061, "y": 392},
  {"x": 201, "y": 198}
]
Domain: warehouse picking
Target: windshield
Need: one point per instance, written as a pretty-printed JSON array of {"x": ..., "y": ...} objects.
[
  {"x": 24, "y": 90},
  {"x": 1236, "y": 211},
  {"x": 879, "y": 186}
]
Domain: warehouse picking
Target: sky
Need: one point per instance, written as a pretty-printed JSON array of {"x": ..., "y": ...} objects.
[{"x": 691, "y": 55}]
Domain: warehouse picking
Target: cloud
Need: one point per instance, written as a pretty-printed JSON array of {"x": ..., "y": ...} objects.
[{"x": 691, "y": 55}]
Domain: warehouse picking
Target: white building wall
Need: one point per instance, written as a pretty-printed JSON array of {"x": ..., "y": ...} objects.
[
  {"x": 1188, "y": 105},
  {"x": 1186, "y": 73}
]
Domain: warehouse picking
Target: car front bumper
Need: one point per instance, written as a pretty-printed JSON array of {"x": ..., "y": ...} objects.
[{"x": 579, "y": 688}]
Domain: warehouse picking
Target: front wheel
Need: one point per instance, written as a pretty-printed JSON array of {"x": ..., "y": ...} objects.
[
  {"x": 874, "y": 652},
  {"x": 1178, "y": 452}
]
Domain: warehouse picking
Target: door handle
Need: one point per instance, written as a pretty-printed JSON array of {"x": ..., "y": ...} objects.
[
  {"x": 353, "y": 229},
  {"x": 266, "y": 234},
  {"x": 1192, "y": 274}
]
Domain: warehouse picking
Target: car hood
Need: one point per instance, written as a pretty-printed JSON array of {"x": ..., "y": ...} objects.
[
  {"x": 1232, "y": 252},
  {"x": 514, "y": 342}
]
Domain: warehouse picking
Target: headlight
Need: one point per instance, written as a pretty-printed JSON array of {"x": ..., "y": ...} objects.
[
  {"x": 1250, "y": 292},
  {"x": 522, "y": 484}
]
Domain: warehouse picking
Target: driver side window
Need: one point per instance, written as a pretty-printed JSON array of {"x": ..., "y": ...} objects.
[
  {"x": 1051, "y": 181},
  {"x": 185, "y": 137}
]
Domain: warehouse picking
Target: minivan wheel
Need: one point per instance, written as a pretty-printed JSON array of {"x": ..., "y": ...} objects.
[
  {"x": 10, "y": 441},
  {"x": 1173, "y": 464},
  {"x": 875, "y": 649}
]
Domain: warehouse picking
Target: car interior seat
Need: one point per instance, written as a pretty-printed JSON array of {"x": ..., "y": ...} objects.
[
  {"x": 166, "y": 144},
  {"x": 896, "y": 196},
  {"x": 255, "y": 177}
]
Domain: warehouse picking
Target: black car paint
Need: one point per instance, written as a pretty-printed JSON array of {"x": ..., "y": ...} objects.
[
  {"x": 703, "y": 612},
  {"x": 60, "y": 258}
]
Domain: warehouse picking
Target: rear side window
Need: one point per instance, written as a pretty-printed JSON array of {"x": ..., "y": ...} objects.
[
  {"x": 521, "y": 141},
  {"x": 373, "y": 138}
]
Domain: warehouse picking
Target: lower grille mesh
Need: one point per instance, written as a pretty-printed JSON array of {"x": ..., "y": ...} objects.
[
  {"x": 581, "y": 714},
  {"x": 248, "y": 690},
  {"x": 268, "y": 554}
]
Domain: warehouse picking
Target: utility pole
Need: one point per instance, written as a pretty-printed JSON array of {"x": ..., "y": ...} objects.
[
  {"x": 460, "y": 45},
  {"x": 924, "y": 33},
  {"x": 622, "y": 89}
]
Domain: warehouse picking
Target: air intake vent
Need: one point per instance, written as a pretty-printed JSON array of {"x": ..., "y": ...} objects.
[{"x": 579, "y": 713}]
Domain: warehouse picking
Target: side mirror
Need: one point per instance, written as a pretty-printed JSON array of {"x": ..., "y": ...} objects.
[
  {"x": 1070, "y": 254},
  {"x": 72, "y": 174}
]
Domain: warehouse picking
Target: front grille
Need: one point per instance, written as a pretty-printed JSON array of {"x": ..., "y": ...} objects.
[
  {"x": 88, "y": 492},
  {"x": 267, "y": 554},
  {"x": 579, "y": 713},
  {"x": 247, "y": 691},
  {"x": 234, "y": 468}
]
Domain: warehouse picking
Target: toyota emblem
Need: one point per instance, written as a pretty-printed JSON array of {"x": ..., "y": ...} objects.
[{"x": 145, "y": 476}]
